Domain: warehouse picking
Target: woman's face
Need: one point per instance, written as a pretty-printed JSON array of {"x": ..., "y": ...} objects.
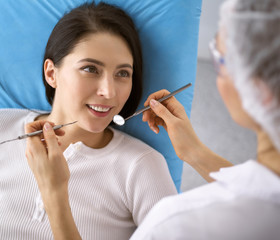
[
  {"x": 229, "y": 93},
  {"x": 94, "y": 81}
]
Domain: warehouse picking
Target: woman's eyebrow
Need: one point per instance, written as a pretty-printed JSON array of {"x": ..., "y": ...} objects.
[
  {"x": 126, "y": 65},
  {"x": 92, "y": 60}
]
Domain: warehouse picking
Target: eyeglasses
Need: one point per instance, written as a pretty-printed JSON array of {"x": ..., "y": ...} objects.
[{"x": 217, "y": 57}]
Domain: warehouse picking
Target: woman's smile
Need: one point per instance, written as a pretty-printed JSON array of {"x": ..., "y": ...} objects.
[{"x": 99, "y": 110}]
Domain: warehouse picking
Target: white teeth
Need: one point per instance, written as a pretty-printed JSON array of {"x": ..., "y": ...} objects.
[{"x": 99, "y": 109}]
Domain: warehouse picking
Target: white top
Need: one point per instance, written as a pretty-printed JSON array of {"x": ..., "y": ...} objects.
[
  {"x": 244, "y": 203},
  {"x": 110, "y": 189}
]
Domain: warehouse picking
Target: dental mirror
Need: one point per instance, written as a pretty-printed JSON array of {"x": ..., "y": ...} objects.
[{"x": 119, "y": 120}]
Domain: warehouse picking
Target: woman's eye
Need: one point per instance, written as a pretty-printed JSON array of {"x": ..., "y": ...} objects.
[
  {"x": 123, "y": 73},
  {"x": 90, "y": 69}
]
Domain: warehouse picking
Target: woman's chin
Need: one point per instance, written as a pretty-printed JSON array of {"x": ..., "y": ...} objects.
[
  {"x": 94, "y": 124},
  {"x": 97, "y": 127}
]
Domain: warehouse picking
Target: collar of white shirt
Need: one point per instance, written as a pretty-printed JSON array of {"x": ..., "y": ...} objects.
[{"x": 250, "y": 179}]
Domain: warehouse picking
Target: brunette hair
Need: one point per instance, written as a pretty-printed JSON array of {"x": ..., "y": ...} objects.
[{"x": 91, "y": 18}]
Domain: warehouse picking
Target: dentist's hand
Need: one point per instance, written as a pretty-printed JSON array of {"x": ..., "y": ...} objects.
[
  {"x": 45, "y": 158},
  {"x": 51, "y": 171},
  {"x": 172, "y": 116}
]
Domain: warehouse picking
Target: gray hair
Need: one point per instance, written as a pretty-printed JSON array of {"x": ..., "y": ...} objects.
[
  {"x": 253, "y": 58},
  {"x": 259, "y": 23}
]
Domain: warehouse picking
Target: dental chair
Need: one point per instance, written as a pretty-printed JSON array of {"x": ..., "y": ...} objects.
[{"x": 168, "y": 31}]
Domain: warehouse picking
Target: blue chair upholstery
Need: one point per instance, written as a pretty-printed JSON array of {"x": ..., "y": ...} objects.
[{"x": 169, "y": 34}]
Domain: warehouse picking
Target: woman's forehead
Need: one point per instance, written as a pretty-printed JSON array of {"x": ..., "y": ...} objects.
[{"x": 103, "y": 45}]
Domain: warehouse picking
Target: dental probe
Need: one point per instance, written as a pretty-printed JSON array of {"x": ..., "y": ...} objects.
[
  {"x": 119, "y": 120},
  {"x": 36, "y": 133}
]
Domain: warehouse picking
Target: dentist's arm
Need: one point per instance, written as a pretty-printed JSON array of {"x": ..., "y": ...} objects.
[
  {"x": 46, "y": 160},
  {"x": 172, "y": 116}
]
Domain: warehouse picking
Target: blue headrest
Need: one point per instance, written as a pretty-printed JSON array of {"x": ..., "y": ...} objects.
[{"x": 169, "y": 34}]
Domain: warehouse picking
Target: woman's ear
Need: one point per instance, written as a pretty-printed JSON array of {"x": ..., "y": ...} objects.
[{"x": 49, "y": 71}]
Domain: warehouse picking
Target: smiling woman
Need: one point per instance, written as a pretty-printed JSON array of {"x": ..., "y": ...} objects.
[
  {"x": 89, "y": 178},
  {"x": 95, "y": 79}
]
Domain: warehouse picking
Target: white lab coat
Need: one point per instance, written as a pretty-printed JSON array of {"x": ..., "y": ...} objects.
[{"x": 244, "y": 203}]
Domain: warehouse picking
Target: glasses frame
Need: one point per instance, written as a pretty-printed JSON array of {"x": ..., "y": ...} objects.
[{"x": 217, "y": 57}]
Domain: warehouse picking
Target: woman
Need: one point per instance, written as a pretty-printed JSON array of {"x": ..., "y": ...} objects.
[
  {"x": 244, "y": 202},
  {"x": 92, "y": 71}
]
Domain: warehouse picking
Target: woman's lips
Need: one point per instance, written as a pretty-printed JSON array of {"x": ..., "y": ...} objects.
[{"x": 99, "y": 110}]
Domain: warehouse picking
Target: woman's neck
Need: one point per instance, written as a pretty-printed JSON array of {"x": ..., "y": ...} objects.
[
  {"x": 74, "y": 133},
  {"x": 93, "y": 140},
  {"x": 267, "y": 153}
]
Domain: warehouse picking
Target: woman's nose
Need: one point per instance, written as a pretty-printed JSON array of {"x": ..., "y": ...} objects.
[{"x": 106, "y": 87}]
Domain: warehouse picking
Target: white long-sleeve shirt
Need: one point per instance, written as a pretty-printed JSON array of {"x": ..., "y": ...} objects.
[
  {"x": 243, "y": 204},
  {"x": 110, "y": 189}
]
